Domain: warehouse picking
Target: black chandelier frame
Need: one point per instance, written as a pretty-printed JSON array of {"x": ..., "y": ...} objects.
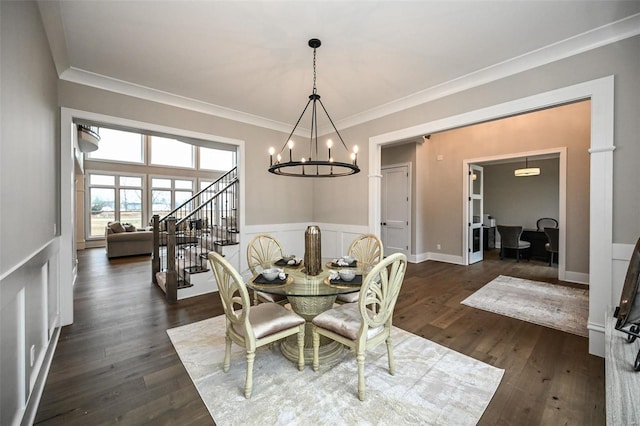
[{"x": 308, "y": 166}]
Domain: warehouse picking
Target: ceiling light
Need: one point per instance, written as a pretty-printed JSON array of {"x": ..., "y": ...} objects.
[
  {"x": 315, "y": 164},
  {"x": 527, "y": 171}
]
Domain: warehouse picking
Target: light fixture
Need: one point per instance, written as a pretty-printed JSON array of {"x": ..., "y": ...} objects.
[
  {"x": 313, "y": 165},
  {"x": 88, "y": 138},
  {"x": 527, "y": 171}
]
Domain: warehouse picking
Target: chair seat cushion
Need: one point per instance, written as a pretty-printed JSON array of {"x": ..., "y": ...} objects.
[
  {"x": 523, "y": 244},
  {"x": 349, "y": 298},
  {"x": 270, "y": 318},
  {"x": 273, "y": 298},
  {"x": 344, "y": 320}
]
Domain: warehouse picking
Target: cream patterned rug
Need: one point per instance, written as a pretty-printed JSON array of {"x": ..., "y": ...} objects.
[
  {"x": 554, "y": 306},
  {"x": 433, "y": 385}
]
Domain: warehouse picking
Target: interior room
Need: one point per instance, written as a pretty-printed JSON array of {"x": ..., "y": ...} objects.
[{"x": 119, "y": 273}]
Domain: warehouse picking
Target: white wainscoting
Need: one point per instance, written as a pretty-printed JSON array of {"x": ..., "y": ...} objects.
[
  {"x": 29, "y": 326},
  {"x": 335, "y": 238}
]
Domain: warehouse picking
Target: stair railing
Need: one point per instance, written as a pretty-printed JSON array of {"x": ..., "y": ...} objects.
[{"x": 188, "y": 234}]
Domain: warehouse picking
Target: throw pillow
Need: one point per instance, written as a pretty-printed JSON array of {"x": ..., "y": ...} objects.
[
  {"x": 129, "y": 227},
  {"x": 117, "y": 227}
]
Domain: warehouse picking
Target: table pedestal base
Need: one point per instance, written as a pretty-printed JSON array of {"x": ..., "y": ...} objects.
[{"x": 308, "y": 308}]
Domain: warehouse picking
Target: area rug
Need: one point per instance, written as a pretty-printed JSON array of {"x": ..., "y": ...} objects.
[
  {"x": 432, "y": 385},
  {"x": 554, "y": 306}
]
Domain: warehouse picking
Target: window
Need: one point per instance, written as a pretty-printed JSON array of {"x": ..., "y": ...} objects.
[
  {"x": 167, "y": 194},
  {"x": 170, "y": 152},
  {"x": 117, "y": 145},
  {"x": 216, "y": 159},
  {"x": 111, "y": 198}
]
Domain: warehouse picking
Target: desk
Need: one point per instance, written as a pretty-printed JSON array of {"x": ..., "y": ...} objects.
[
  {"x": 309, "y": 296},
  {"x": 537, "y": 239}
]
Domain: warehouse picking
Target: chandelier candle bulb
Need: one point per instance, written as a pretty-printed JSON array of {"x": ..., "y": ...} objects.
[
  {"x": 272, "y": 151},
  {"x": 290, "y": 144},
  {"x": 329, "y": 145}
]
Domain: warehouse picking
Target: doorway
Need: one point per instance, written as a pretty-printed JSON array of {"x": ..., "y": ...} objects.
[{"x": 601, "y": 94}]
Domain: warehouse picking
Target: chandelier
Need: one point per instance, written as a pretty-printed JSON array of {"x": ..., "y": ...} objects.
[{"x": 313, "y": 165}]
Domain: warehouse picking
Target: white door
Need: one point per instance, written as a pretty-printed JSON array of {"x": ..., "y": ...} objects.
[
  {"x": 395, "y": 209},
  {"x": 475, "y": 213}
]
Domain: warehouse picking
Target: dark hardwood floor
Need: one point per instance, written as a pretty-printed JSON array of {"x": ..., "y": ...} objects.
[{"x": 115, "y": 363}]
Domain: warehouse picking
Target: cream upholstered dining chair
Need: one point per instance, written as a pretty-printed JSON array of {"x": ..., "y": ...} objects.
[
  {"x": 251, "y": 326},
  {"x": 366, "y": 249},
  {"x": 262, "y": 252},
  {"x": 365, "y": 324}
]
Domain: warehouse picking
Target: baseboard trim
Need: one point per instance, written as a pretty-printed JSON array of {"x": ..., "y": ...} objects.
[{"x": 596, "y": 339}]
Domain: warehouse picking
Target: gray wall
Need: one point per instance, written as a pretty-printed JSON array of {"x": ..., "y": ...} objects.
[
  {"x": 513, "y": 200},
  {"x": 621, "y": 59},
  {"x": 29, "y": 207}
]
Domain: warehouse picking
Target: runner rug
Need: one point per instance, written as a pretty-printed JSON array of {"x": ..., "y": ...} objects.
[
  {"x": 550, "y": 305},
  {"x": 432, "y": 384}
]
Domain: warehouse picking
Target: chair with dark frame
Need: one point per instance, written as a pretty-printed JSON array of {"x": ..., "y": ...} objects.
[
  {"x": 510, "y": 239},
  {"x": 552, "y": 245},
  {"x": 546, "y": 222}
]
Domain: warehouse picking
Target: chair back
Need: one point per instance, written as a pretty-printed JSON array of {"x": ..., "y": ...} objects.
[
  {"x": 367, "y": 248},
  {"x": 233, "y": 293},
  {"x": 546, "y": 222},
  {"x": 262, "y": 251},
  {"x": 552, "y": 236},
  {"x": 380, "y": 290},
  {"x": 509, "y": 236}
]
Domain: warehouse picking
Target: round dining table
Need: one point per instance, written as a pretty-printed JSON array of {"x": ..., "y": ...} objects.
[{"x": 309, "y": 295}]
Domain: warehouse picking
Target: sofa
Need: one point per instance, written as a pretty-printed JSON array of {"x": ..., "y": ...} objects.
[{"x": 126, "y": 240}]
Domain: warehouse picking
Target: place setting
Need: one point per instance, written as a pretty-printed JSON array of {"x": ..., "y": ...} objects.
[
  {"x": 343, "y": 262},
  {"x": 273, "y": 276},
  {"x": 289, "y": 261},
  {"x": 344, "y": 277}
]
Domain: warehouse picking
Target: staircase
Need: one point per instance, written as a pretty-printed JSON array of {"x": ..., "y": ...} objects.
[{"x": 183, "y": 239}]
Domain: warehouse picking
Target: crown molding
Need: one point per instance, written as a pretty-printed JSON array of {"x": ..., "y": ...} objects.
[
  {"x": 75, "y": 75},
  {"x": 601, "y": 36},
  {"x": 598, "y": 37}
]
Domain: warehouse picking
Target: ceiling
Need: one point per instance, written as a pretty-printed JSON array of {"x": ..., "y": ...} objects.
[{"x": 250, "y": 60}]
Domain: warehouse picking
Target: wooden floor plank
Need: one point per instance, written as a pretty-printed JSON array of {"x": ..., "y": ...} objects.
[{"x": 115, "y": 364}]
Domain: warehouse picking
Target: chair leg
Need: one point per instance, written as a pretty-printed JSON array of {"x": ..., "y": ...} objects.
[
  {"x": 227, "y": 354},
  {"x": 316, "y": 347},
  {"x": 248, "y": 383},
  {"x": 518, "y": 255},
  {"x": 392, "y": 366},
  {"x": 301, "y": 347},
  {"x": 360, "y": 360}
]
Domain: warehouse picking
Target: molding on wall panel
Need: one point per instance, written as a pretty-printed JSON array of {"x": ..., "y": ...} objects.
[
  {"x": 34, "y": 400},
  {"x": 335, "y": 237}
]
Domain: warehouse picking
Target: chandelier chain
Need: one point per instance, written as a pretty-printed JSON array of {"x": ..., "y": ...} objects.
[{"x": 314, "y": 72}]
